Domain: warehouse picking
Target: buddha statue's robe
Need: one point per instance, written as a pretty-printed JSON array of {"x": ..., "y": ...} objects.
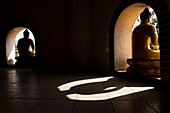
[{"x": 144, "y": 35}]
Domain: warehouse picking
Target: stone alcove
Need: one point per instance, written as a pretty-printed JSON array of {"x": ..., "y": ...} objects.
[
  {"x": 15, "y": 32},
  {"x": 11, "y": 43},
  {"x": 120, "y": 32}
]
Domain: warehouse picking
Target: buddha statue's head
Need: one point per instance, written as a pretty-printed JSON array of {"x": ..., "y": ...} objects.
[
  {"x": 26, "y": 33},
  {"x": 145, "y": 15}
]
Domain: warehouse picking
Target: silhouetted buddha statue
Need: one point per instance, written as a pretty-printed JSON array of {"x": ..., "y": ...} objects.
[
  {"x": 145, "y": 58},
  {"x": 25, "y": 55}
]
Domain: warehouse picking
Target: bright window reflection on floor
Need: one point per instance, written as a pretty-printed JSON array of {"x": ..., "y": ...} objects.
[{"x": 112, "y": 92}]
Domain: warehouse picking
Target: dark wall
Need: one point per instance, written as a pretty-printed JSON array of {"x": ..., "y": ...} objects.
[
  {"x": 88, "y": 33},
  {"x": 78, "y": 35},
  {"x": 101, "y": 14}
]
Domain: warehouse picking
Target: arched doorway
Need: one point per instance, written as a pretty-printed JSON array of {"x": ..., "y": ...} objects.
[
  {"x": 122, "y": 34},
  {"x": 11, "y": 43},
  {"x": 120, "y": 31}
]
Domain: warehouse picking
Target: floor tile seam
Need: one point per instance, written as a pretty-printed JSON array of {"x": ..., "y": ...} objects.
[
  {"x": 134, "y": 100},
  {"x": 146, "y": 102},
  {"x": 112, "y": 106},
  {"x": 151, "y": 107},
  {"x": 106, "y": 93},
  {"x": 139, "y": 97},
  {"x": 34, "y": 107},
  {"x": 72, "y": 111},
  {"x": 78, "y": 90},
  {"x": 10, "y": 97}
]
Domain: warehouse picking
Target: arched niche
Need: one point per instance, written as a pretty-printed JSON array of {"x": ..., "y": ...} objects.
[
  {"x": 163, "y": 16},
  {"x": 11, "y": 43},
  {"x": 123, "y": 33}
]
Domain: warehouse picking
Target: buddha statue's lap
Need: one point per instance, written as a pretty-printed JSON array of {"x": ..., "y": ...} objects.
[
  {"x": 145, "y": 64},
  {"x": 144, "y": 61},
  {"x": 26, "y": 59},
  {"x": 147, "y": 54}
]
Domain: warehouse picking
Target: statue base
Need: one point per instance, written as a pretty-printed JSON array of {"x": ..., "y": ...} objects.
[{"x": 148, "y": 67}]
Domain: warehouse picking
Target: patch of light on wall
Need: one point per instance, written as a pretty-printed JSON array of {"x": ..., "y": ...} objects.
[{"x": 112, "y": 92}]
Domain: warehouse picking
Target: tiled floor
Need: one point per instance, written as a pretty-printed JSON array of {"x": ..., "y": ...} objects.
[{"x": 42, "y": 91}]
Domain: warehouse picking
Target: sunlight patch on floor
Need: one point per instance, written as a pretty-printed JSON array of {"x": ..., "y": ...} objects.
[
  {"x": 109, "y": 92},
  {"x": 109, "y": 95},
  {"x": 69, "y": 85}
]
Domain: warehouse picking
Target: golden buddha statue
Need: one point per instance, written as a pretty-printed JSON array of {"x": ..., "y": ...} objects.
[
  {"x": 145, "y": 61},
  {"x": 144, "y": 35}
]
